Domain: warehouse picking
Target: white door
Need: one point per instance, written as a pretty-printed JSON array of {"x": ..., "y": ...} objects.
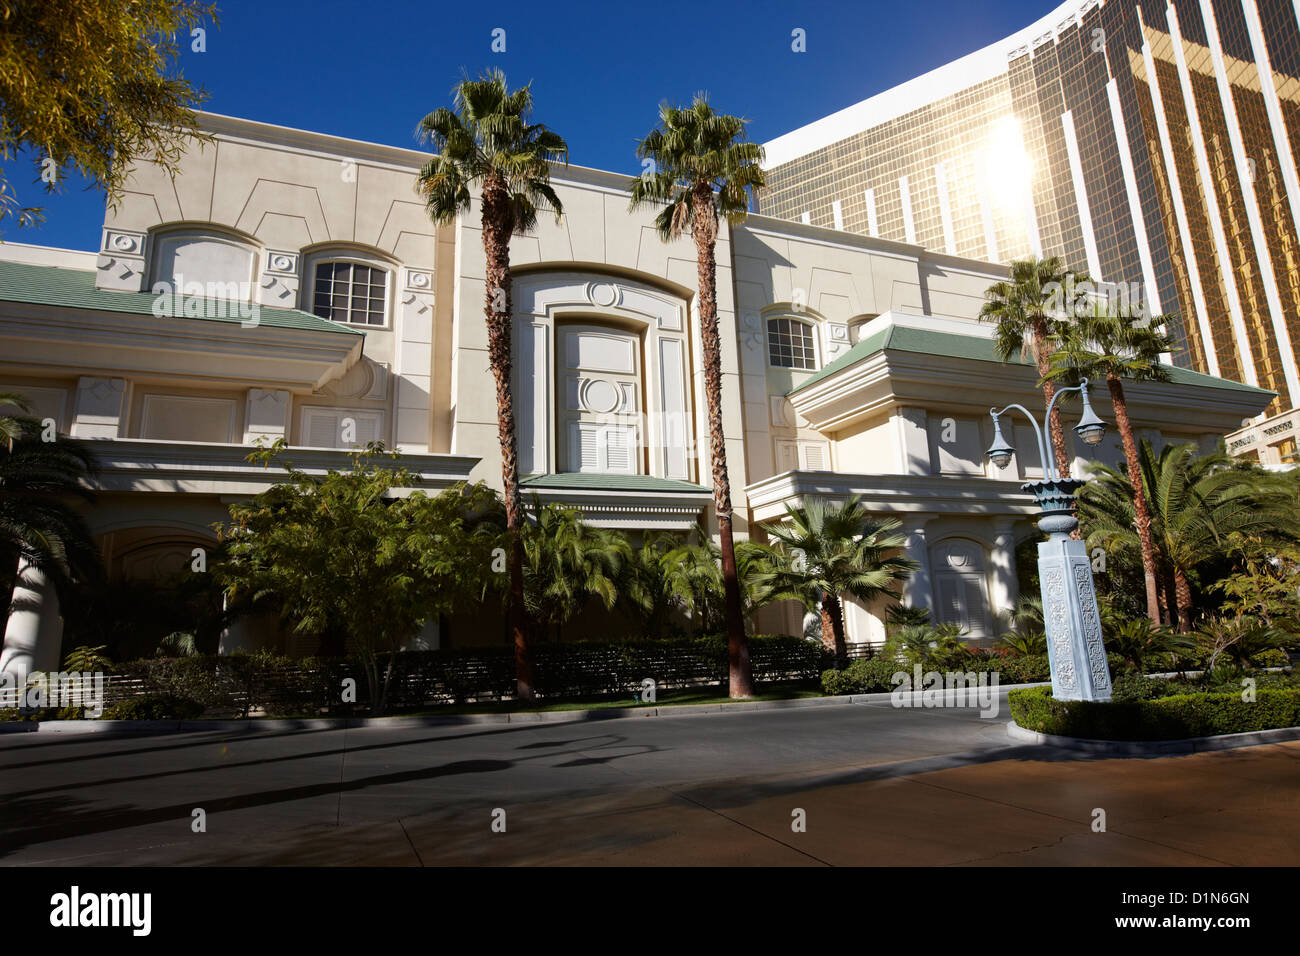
[
  {"x": 600, "y": 376},
  {"x": 960, "y": 587}
]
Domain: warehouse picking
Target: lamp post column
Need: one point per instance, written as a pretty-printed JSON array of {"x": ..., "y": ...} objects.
[{"x": 1074, "y": 642}]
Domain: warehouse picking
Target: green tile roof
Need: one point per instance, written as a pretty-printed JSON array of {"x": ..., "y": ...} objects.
[
  {"x": 75, "y": 289},
  {"x": 593, "y": 482},
  {"x": 979, "y": 349}
]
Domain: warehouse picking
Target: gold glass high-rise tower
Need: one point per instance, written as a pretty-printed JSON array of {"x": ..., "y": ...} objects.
[{"x": 1148, "y": 143}]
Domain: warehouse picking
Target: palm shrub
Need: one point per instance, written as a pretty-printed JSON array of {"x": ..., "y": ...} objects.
[
  {"x": 933, "y": 646},
  {"x": 645, "y": 594},
  {"x": 1023, "y": 643},
  {"x": 694, "y": 575},
  {"x": 1141, "y": 643},
  {"x": 1198, "y": 505},
  {"x": 1235, "y": 640},
  {"x": 568, "y": 563},
  {"x": 823, "y": 551}
]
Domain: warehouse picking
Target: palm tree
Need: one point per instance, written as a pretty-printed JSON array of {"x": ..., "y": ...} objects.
[
  {"x": 1022, "y": 307},
  {"x": 1198, "y": 505},
  {"x": 488, "y": 140},
  {"x": 1111, "y": 345},
  {"x": 828, "y": 551},
  {"x": 38, "y": 527},
  {"x": 694, "y": 576},
  {"x": 703, "y": 166},
  {"x": 568, "y": 563},
  {"x": 645, "y": 592}
]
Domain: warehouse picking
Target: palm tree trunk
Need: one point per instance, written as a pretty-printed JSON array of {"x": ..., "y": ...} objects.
[
  {"x": 704, "y": 228},
  {"x": 498, "y": 224},
  {"x": 1183, "y": 590},
  {"x": 1140, "y": 510},
  {"x": 1055, "y": 434},
  {"x": 833, "y": 628},
  {"x": 1171, "y": 598}
]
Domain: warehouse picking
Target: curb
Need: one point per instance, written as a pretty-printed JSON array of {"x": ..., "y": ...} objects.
[
  {"x": 1146, "y": 748},
  {"x": 533, "y": 717}
]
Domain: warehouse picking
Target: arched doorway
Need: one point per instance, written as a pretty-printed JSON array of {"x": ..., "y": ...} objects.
[{"x": 961, "y": 594}]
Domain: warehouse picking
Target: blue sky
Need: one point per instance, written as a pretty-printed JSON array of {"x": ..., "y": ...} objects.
[{"x": 370, "y": 70}]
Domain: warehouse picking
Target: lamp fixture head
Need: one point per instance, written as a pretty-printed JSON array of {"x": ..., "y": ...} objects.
[
  {"x": 1001, "y": 450},
  {"x": 1090, "y": 428}
]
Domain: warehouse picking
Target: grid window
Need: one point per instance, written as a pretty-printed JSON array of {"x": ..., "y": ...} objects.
[
  {"x": 790, "y": 344},
  {"x": 351, "y": 293}
]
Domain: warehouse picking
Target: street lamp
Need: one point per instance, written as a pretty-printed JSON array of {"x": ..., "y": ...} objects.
[{"x": 1075, "y": 649}]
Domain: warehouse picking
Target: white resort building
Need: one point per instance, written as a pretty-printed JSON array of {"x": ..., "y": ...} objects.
[{"x": 315, "y": 302}]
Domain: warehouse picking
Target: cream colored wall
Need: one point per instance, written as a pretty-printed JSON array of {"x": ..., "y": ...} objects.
[
  {"x": 301, "y": 194},
  {"x": 598, "y": 235},
  {"x": 868, "y": 446}
]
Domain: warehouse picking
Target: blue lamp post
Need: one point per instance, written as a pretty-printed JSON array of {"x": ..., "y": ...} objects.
[{"x": 1074, "y": 642}]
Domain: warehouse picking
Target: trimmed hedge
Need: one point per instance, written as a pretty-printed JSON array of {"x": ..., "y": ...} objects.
[
  {"x": 1164, "y": 718},
  {"x": 874, "y": 675},
  {"x": 154, "y": 707},
  {"x": 278, "y": 686}
]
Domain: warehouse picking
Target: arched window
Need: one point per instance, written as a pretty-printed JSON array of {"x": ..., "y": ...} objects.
[
  {"x": 204, "y": 262},
  {"x": 348, "y": 287},
  {"x": 791, "y": 343}
]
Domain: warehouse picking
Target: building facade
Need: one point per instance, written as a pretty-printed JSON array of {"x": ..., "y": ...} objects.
[
  {"x": 289, "y": 285},
  {"x": 1153, "y": 144}
]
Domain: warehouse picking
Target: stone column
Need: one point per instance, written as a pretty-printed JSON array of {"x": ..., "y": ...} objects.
[
  {"x": 1004, "y": 587},
  {"x": 917, "y": 590},
  {"x": 35, "y": 629},
  {"x": 912, "y": 438}
]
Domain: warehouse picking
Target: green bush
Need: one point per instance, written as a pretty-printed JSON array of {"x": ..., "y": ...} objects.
[
  {"x": 154, "y": 707},
  {"x": 1163, "y": 718},
  {"x": 10, "y": 714},
  {"x": 873, "y": 675},
  {"x": 1274, "y": 657},
  {"x": 869, "y": 676}
]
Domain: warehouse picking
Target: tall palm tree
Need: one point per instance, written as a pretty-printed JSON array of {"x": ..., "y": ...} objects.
[
  {"x": 488, "y": 140},
  {"x": 704, "y": 167},
  {"x": 38, "y": 479},
  {"x": 1112, "y": 345},
  {"x": 834, "y": 550},
  {"x": 1198, "y": 504},
  {"x": 1027, "y": 324}
]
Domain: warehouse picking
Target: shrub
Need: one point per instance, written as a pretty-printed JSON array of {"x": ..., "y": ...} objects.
[
  {"x": 1163, "y": 718},
  {"x": 1025, "y": 669},
  {"x": 154, "y": 707},
  {"x": 1274, "y": 657},
  {"x": 869, "y": 676}
]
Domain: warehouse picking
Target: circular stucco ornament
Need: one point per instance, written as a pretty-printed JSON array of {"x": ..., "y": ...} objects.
[
  {"x": 603, "y": 294},
  {"x": 420, "y": 280},
  {"x": 599, "y": 396},
  {"x": 123, "y": 243},
  {"x": 281, "y": 263}
]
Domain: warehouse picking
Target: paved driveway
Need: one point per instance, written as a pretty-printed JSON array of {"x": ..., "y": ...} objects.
[{"x": 875, "y": 785}]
